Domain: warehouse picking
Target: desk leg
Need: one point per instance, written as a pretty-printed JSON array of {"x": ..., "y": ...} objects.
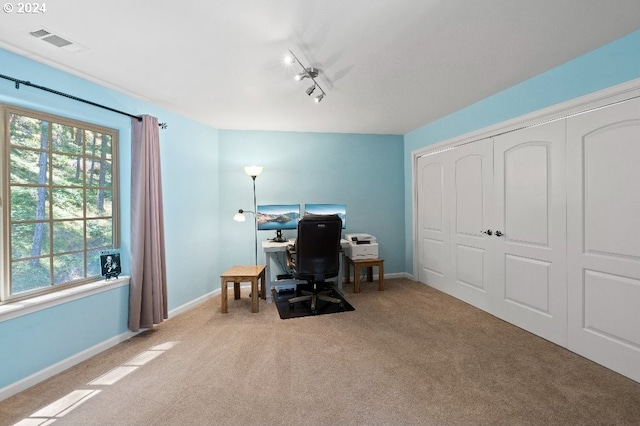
[
  {"x": 254, "y": 295},
  {"x": 370, "y": 273},
  {"x": 381, "y": 276},
  {"x": 223, "y": 296},
  {"x": 267, "y": 257},
  {"x": 356, "y": 278},
  {"x": 236, "y": 290},
  {"x": 263, "y": 290}
]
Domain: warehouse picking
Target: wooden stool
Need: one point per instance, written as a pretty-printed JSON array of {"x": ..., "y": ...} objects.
[
  {"x": 364, "y": 263},
  {"x": 238, "y": 274}
]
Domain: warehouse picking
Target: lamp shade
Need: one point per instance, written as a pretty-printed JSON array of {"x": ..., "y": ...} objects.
[
  {"x": 239, "y": 217},
  {"x": 253, "y": 171}
]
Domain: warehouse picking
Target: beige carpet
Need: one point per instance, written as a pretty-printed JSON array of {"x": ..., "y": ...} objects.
[{"x": 407, "y": 356}]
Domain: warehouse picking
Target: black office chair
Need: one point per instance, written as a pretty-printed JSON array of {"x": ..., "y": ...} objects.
[{"x": 316, "y": 257}]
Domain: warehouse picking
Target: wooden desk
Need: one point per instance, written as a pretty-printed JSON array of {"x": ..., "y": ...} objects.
[
  {"x": 238, "y": 274},
  {"x": 364, "y": 263}
]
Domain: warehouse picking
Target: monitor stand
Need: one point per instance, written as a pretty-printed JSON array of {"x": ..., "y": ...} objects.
[{"x": 279, "y": 238}]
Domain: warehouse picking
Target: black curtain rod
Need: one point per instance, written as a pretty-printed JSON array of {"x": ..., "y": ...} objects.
[{"x": 75, "y": 98}]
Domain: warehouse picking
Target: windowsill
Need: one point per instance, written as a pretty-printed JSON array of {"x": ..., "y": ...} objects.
[{"x": 11, "y": 310}]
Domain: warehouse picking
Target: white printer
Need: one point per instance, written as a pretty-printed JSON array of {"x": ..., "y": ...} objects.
[{"x": 361, "y": 246}]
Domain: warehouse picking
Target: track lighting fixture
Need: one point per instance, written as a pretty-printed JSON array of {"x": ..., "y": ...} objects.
[{"x": 307, "y": 72}]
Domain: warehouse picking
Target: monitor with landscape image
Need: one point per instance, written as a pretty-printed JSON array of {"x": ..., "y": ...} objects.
[
  {"x": 278, "y": 217},
  {"x": 339, "y": 209}
]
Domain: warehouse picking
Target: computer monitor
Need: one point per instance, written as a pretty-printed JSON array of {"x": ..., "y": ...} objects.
[
  {"x": 339, "y": 209},
  {"x": 277, "y": 217}
]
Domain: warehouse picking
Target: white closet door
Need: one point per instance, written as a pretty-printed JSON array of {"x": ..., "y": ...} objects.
[
  {"x": 530, "y": 213},
  {"x": 604, "y": 236},
  {"x": 433, "y": 221},
  {"x": 471, "y": 193}
]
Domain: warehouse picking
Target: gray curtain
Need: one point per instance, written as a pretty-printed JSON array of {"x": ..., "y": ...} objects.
[{"x": 148, "y": 288}]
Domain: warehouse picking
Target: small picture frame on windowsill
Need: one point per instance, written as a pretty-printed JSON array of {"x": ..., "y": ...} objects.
[{"x": 110, "y": 264}]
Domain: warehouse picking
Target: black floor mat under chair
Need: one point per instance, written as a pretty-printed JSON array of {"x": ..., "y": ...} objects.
[{"x": 303, "y": 309}]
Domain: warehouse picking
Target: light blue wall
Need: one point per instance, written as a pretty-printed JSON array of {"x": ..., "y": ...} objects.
[
  {"x": 607, "y": 66},
  {"x": 189, "y": 152},
  {"x": 191, "y": 202},
  {"x": 362, "y": 171}
]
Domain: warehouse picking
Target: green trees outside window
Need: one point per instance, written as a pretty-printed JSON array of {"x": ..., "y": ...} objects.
[{"x": 60, "y": 201}]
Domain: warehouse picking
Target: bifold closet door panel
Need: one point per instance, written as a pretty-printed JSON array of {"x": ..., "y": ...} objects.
[
  {"x": 604, "y": 236},
  {"x": 470, "y": 190},
  {"x": 433, "y": 220},
  {"x": 530, "y": 230}
]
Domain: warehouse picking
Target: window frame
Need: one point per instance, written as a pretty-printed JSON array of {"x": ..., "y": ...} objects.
[{"x": 5, "y": 196}]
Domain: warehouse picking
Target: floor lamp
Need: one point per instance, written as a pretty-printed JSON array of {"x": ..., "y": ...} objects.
[{"x": 252, "y": 171}]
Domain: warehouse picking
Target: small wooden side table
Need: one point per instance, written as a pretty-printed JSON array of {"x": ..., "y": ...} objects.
[
  {"x": 239, "y": 274},
  {"x": 364, "y": 263}
]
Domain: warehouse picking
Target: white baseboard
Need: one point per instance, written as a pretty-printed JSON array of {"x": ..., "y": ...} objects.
[
  {"x": 193, "y": 303},
  {"x": 398, "y": 275},
  {"x": 59, "y": 367}
]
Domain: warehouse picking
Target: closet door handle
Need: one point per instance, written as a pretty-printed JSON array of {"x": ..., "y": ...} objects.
[
  {"x": 488, "y": 232},
  {"x": 499, "y": 234}
]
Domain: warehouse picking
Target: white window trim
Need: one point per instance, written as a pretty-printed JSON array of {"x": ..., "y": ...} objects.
[{"x": 11, "y": 310}]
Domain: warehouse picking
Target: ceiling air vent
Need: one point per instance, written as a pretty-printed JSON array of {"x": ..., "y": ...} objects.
[{"x": 56, "y": 40}]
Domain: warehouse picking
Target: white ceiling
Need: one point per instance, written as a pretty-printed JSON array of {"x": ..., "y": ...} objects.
[{"x": 388, "y": 66}]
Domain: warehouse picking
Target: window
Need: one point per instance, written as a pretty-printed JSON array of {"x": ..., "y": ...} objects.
[{"x": 59, "y": 201}]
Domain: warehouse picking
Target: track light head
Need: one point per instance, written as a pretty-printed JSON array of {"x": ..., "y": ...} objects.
[
  {"x": 319, "y": 98},
  {"x": 311, "y": 89}
]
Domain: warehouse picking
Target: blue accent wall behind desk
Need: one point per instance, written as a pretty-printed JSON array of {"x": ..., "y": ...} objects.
[
  {"x": 362, "y": 171},
  {"x": 612, "y": 64}
]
